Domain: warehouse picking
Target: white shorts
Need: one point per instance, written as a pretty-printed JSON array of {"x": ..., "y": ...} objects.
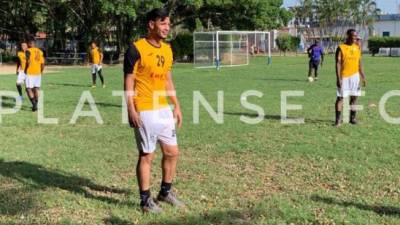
[
  {"x": 21, "y": 77},
  {"x": 96, "y": 68},
  {"x": 157, "y": 126},
  {"x": 33, "y": 81},
  {"x": 350, "y": 86}
]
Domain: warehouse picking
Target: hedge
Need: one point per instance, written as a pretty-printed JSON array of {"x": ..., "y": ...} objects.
[
  {"x": 375, "y": 43},
  {"x": 182, "y": 46},
  {"x": 285, "y": 42}
]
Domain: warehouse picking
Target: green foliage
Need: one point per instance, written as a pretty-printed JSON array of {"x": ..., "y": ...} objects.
[
  {"x": 121, "y": 21},
  {"x": 286, "y": 42},
  {"x": 182, "y": 46},
  {"x": 375, "y": 43}
]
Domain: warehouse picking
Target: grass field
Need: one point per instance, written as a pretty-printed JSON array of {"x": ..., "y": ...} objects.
[{"x": 230, "y": 173}]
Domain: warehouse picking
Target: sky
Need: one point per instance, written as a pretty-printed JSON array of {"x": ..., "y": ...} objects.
[{"x": 387, "y": 6}]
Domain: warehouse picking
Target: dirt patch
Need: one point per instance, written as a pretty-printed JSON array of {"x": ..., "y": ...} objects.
[{"x": 9, "y": 69}]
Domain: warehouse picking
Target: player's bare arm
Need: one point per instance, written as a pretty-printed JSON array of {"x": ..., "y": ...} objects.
[
  {"x": 18, "y": 65},
  {"x": 322, "y": 57},
  {"x": 361, "y": 71},
  {"x": 133, "y": 115},
  {"x": 338, "y": 59},
  {"x": 27, "y": 56},
  {"x": 170, "y": 87},
  {"x": 101, "y": 58}
]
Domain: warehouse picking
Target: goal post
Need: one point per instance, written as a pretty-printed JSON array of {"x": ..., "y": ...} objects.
[{"x": 229, "y": 48}]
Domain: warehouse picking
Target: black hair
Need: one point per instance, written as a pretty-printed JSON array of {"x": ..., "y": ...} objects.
[
  {"x": 350, "y": 31},
  {"x": 155, "y": 14}
]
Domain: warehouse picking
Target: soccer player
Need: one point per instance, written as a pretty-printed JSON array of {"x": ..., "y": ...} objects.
[
  {"x": 33, "y": 70},
  {"x": 349, "y": 69},
  {"x": 96, "y": 58},
  {"x": 316, "y": 55},
  {"x": 147, "y": 69},
  {"x": 21, "y": 64}
]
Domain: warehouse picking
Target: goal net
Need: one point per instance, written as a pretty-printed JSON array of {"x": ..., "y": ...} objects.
[{"x": 229, "y": 48}]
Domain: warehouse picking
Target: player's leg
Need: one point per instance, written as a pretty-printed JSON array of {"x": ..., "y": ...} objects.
[
  {"x": 143, "y": 174},
  {"x": 19, "y": 89},
  {"x": 93, "y": 70},
  {"x": 101, "y": 77},
  {"x": 168, "y": 165},
  {"x": 310, "y": 68},
  {"x": 36, "y": 97},
  {"x": 166, "y": 134},
  {"x": 338, "y": 109},
  {"x": 355, "y": 90},
  {"x": 29, "y": 90},
  {"x": 19, "y": 83},
  {"x": 146, "y": 143},
  {"x": 353, "y": 112},
  {"x": 316, "y": 67}
]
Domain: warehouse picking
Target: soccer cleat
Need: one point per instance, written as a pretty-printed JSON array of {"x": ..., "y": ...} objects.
[
  {"x": 104, "y": 86},
  {"x": 310, "y": 79},
  {"x": 151, "y": 207},
  {"x": 353, "y": 121},
  {"x": 171, "y": 199},
  {"x": 316, "y": 79},
  {"x": 34, "y": 108},
  {"x": 93, "y": 86},
  {"x": 20, "y": 98}
]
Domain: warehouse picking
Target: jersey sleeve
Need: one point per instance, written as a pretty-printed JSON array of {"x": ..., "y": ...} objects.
[{"x": 132, "y": 55}]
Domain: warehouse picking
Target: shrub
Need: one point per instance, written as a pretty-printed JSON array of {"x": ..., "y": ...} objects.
[{"x": 375, "y": 43}]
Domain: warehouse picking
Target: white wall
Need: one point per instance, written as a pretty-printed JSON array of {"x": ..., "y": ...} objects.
[{"x": 391, "y": 26}]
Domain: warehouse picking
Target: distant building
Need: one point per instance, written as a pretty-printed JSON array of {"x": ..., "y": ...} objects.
[{"x": 387, "y": 26}]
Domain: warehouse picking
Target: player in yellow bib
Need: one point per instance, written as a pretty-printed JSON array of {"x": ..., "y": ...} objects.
[
  {"x": 348, "y": 72},
  {"x": 96, "y": 58},
  {"x": 21, "y": 65},
  {"x": 34, "y": 69},
  {"x": 148, "y": 79}
]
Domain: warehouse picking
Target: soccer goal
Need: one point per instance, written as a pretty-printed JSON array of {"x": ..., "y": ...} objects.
[{"x": 230, "y": 48}]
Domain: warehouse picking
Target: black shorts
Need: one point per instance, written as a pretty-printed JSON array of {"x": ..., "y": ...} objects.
[{"x": 314, "y": 64}]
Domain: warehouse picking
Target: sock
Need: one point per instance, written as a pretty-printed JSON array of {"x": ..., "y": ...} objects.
[
  {"x": 165, "y": 189},
  {"x": 338, "y": 116},
  {"x": 353, "y": 115},
  {"x": 93, "y": 78},
  {"x": 19, "y": 88},
  {"x": 32, "y": 100},
  {"x": 144, "y": 196},
  {"x": 101, "y": 77}
]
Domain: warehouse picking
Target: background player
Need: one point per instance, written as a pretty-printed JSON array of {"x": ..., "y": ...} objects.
[
  {"x": 96, "y": 58},
  {"x": 316, "y": 55},
  {"x": 34, "y": 70},
  {"x": 21, "y": 65}
]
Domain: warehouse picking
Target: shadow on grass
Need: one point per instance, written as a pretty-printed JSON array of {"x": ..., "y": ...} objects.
[
  {"x": 39, "y": 177},
  {"x": 16, "y": 200},
  {"x": 10, "y": 103},
  {"x": 378, "y": 209},
  {"x": 69, "y": 85},
  {"x": 212, "y": 217},
  {"x": 253, "y": 115},
  {"x": 286, "y": 80},
  {"x": 277, "y": 117},
  {"x": 103, "y": 104}
]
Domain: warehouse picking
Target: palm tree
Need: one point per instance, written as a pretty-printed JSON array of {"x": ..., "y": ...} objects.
[{"x": 366, "y": 16}]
